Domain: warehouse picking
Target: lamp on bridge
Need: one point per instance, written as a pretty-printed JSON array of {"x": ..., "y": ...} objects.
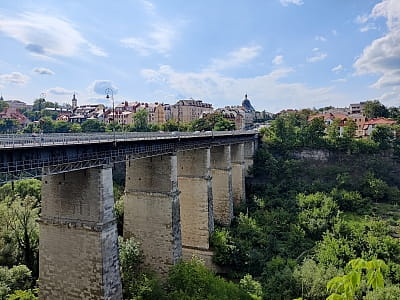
[{"x": 109, "y": 91}]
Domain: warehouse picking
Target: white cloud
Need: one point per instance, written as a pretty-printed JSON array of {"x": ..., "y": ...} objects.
[
  {"x": 337, "y": 69},
  {"x": 148, "y": 6},
  {"x": 266, "y": 91},
  {"x": 278, "y": 60},
  {"x": 315, "y": 49},
  {"x": 43, "y": 71},
  {"x": 46, "y": 35},
  {"x": 382, "y": 56},
  {"x": 361, "y": 19},
  {"x": 14, "y": 78},
  {"x": 99, "y": 87},
  {"x": 317, "y": 57},
  {"x": 368, "y": 27},
  {"x": 160, "y": 40},
  {"x": 59, "y": 91},
  {"x": 287, "y": 2},
  {"x": 235, "y": 58},
  {"x": 340, "y": 80},
  {"x": 320, "y": 38},
  {"x": 334, "y": 32}
]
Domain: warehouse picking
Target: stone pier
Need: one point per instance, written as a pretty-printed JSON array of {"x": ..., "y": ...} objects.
[
  {"x": 221, "y": 172},
  {"x": 249, "y": 149},
  {"x": 152, "y": 210},
  {"x": 196, "y": 201},
  {"x": 238, "y": 173},
  {"x": 78, "y": 250}
]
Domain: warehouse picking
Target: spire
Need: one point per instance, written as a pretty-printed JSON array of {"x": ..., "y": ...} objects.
[
  {"x": 245, "y": 96},
  {"x": 74, "y": 102},
  {"x": 1, "y": 97}
]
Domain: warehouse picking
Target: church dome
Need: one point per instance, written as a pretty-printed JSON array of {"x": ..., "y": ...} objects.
[{"x": 247, "y": 105}]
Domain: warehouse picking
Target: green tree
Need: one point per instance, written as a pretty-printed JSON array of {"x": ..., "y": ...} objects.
[
  {"x": 3, "y": 105},
  {"x": 23, "y": 295},
  {"x": 224, "y": 125},
  {"x": 333, "y": 131},
  {"x": 345, "y": 287},
  {"x": 311, "y": 279},
  {"x": 318, "y": 213},
  {"x": 19, "y": 228},
  {"x": 46, "y": 124},
  {"x": 374, "y": 109},
  {"x": 192, "y": 280},
  {"x": 75, "y": 127},
  {"x": 8, "y": 125},
  {"x": 349, "y": 130},
  {"x": 383, "y": 135},
  {"x": 140, "y": 121},
  {"x": 93, "y": 126},
  {"x": 13, "y": 279},
  {"x": 252, "y": 287},
  {"x": 201, "y": 124},
  {"x": 170, "y": 125},
  {"x": 313, "y": 132},
  {"x": 62, "y": 126}
]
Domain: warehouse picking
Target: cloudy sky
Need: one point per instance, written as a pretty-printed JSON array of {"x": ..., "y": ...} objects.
[{"x": 282, "y": 53}]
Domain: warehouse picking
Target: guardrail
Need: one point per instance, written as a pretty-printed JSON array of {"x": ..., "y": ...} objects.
[{"x": 39, "y": 140}]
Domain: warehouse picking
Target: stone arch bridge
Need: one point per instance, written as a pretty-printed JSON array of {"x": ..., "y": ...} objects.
[{"x": 177, "y": 186}]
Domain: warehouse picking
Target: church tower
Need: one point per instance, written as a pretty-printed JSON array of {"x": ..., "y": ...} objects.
[{"x": 74, "y": 102}]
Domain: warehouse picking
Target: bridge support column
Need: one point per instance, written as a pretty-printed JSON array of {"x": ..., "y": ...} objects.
[
  {"x": 78, "y": 250},
  {"x": 197, "y": 220},
  {"x": 221, "y": 172},
  {"x": 238, "y": 173},
  {"x": 152, "y": 212},
  {"x": 249, "y": 149}
]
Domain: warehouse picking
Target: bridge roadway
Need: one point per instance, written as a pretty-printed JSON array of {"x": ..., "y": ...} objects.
[{"x": 27, "y": 155}]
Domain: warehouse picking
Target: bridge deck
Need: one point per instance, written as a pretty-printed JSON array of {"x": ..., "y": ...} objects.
[{"x": 25, "y": 156}]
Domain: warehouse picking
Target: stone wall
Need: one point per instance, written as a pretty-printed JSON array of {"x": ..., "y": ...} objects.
[
  {"x": 78, "y": 251},
  {"x": 238, "y": 173},
  {"x": 221, "y": 172},
  {"x": 152, "y": 210}
]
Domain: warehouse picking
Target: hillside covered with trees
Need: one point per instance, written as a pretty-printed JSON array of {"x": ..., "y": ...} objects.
[{"x": 321, "y": 211}]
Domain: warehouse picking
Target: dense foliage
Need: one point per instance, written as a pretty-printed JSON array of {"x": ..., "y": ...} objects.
[{"x": 316, "y": 201}]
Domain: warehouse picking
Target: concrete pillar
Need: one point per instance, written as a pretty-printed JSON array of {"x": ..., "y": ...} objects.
[
  {"x": 249, "y": 149},
  {"x": 78, "y": 249},
  {"x": 194, "y": 182},
  {"x": 238, "y": 173},
  {"x": 151, "y": 210},
  {"x": 221, "y": 172}
]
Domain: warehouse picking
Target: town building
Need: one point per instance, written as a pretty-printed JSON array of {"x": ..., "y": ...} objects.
[
  {"x": 185, "y": 111},
  {"x": 372, "y": 123},
  {"x": 357, "y": 108},
  {"x": 12, "y": 113}
]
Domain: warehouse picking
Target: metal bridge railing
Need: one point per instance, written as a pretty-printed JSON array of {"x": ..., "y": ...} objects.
[{"x": 35, "y": 140}]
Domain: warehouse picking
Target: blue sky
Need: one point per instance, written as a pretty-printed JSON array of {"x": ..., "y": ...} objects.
[{"x": 282, "y": 53}]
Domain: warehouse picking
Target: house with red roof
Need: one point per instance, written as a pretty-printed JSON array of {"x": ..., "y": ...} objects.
[
  {"x": 369, "y": 125},
  {"x": 12, "y": 113}
]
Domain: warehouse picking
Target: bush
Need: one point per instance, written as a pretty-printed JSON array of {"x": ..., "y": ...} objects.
[{"x": 192, "y": 280}]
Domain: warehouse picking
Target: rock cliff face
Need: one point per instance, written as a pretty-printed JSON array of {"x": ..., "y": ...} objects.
[{"x": 312, "y": 154}]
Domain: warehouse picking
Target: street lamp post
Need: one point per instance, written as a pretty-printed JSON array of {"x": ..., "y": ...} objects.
[{"x": 109, "y": 91}]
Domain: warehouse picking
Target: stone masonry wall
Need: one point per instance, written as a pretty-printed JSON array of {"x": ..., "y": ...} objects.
[
  {"x": 221, "y": 172},
  {"x": 238, "y": 173},
  {"x": 196, "y": 201},
  {"x": 152, "y": 211},
  {"x": 78, "y": 251}
]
